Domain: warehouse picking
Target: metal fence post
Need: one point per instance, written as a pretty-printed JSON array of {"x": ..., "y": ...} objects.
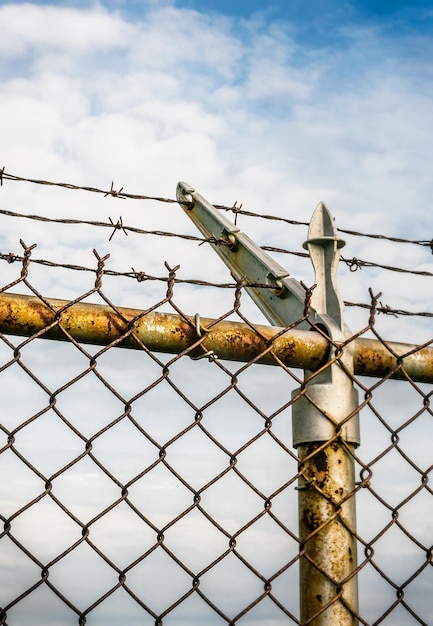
[
  {"x": 325, "y": 431},
  {"x": 325, "y": 419}
]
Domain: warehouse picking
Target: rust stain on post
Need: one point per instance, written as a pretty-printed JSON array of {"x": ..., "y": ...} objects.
[
  {"x": 166, "y": 332},
  {"x": 326, "y": 515}
]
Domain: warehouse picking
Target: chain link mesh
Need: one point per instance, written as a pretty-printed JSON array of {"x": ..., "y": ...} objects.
[{"x": 141, "y": 488}]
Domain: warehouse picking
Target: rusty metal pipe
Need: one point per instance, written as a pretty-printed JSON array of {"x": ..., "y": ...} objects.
[
  {"x": 233, "y": 341},
  {"x": 160, "y": 332},
  {"x": 328, "y": 586}
]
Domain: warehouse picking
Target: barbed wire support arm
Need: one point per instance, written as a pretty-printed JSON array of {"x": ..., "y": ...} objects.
[
  {"x": 284, "y": 299},
  {"x": 325, "y": 417}
]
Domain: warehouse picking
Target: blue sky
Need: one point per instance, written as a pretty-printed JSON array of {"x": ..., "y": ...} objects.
[
  {"x": 275, "y": 105},
  {"x": 320, "y": 15}
]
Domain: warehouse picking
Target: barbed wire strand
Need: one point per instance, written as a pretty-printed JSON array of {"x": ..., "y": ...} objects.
[
  {"x": 141, "y": 276},
  {"x": 353, "y": 264},
  {"x": 120, "y": 193}
]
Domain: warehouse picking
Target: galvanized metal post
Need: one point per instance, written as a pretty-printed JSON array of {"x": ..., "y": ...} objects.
[
  {"x": 325, "y": 419},
  {"x": 325, "y": 432}
]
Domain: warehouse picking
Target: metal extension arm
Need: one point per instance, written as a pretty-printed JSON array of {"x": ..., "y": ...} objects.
[{"x": 284, "y": 303}]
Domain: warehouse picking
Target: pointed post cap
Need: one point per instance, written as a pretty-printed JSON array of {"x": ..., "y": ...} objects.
[
  {"x": 322, "y": 228},
  {"x": 323, "y": 244}
]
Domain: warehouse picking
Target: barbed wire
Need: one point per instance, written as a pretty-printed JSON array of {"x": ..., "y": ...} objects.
[
  {"x": 353, "y": 264},
  {"x": 110, "y": 192},
  {"x": 237, "y": 210},
  {"x": 141, "y": 276},
  {"x": 114, "y": 226}
]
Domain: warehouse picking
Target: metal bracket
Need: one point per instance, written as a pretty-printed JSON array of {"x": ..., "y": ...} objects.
[
  {"x": 284, "y": 303},
  {"x": 329, "y": 398}
]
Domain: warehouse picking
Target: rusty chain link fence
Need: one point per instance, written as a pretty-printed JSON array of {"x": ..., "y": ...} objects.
[{"x": 148, "y": 472}]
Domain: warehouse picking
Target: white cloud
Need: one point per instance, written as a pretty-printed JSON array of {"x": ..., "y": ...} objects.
[{"x": 31, "y": 29}]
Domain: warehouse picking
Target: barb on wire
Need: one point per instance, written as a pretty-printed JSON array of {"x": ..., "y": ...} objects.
[
  {"x": 353, "y": 264},
  {"x": 114, "y": 193},
  {"x": 11, "y": 257},
  {"x": 386, "y": 310},
  {"x": 216, "y": 241},
  {"x": 236, "y": 210},
  {"x": 117, "y": 226},
  {"x": 140, "y": 276}
]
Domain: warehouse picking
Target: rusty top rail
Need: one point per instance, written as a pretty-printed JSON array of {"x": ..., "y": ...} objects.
[{"x": 23, "y": 315}]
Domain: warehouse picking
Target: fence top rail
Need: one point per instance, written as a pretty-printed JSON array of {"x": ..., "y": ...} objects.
[{"x": 96, "y": 324}]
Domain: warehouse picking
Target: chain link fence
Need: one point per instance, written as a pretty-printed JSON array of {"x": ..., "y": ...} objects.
[
  {"x": 148, "y": 468},
  {"x": 141, "y": 487}
]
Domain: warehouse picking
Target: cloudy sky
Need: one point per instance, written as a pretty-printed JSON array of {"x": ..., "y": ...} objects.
[{"x": 275, "y": 105}]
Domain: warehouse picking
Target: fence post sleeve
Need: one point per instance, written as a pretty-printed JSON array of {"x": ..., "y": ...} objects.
[{"x": 325, "y": 433}]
